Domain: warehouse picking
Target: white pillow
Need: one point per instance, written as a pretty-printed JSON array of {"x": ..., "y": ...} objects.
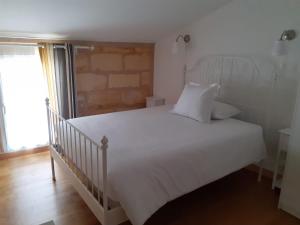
[
  {"x": 196, "y": 102},
  {"x": 223, "y": 111}
]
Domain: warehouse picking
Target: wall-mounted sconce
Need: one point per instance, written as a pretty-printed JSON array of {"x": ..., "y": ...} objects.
[
  {"x": 280, "y": 46},
  {"x": 186, "y": 38}
]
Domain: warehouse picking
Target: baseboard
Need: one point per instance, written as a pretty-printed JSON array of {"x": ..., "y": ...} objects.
[
  {"x": 266, "y": 173},
  {"x": 289, "y": 209},
  {"x": 8, "y": 155}
]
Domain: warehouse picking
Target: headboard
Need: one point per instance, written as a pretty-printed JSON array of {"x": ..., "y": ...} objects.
[{"x": 246, "y": 82}]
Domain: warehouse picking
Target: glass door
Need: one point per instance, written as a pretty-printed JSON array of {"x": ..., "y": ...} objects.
[
  {"x": 3, "y": 145},
  {"x": 23, "y": 92}
]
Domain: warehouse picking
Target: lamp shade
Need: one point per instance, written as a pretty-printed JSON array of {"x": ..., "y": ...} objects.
[{"x": 279, "y": 48}]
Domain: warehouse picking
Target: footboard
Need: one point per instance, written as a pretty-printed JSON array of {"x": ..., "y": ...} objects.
[{"x": 85, "y": 164}]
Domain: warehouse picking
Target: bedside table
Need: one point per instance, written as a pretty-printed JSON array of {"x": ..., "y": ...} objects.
[
  {"x": 284, "y": 136},
  {"x": 154, "y": 101}
]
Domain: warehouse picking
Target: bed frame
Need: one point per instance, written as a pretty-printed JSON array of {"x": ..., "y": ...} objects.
[
  {"x": 210, "y": 69},
  {"x": 107, "y": 212}
]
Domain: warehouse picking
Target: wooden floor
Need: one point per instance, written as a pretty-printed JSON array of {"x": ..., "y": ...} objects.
[{"x": 29, "y": 197}]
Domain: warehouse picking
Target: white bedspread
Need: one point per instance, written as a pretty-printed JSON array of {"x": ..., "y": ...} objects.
[{"x": 155, "y": 156}]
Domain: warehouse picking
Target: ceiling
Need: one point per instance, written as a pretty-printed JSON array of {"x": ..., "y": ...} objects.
[{"x": 100, "y": 20}]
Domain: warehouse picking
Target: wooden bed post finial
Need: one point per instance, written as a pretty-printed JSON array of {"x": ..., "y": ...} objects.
[
  {"x": 104, "y": 143},
  {"x": 47, "y": 101}
]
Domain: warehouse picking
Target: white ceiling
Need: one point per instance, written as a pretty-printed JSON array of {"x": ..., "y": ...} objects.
[{"x": 100, "y": 20}]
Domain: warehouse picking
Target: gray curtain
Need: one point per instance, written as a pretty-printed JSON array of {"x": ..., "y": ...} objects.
[
  {"x": 65, "y": 80},
  {"x": 70, "y": 62}
]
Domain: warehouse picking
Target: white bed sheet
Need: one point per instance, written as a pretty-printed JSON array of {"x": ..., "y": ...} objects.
[{"x": 155, "y": 156}]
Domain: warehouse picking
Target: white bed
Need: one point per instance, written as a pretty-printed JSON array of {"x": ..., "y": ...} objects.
[{"x": 155, "y": 156}]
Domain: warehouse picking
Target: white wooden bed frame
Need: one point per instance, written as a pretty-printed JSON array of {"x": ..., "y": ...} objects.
[{"x": 98, "y": 200}]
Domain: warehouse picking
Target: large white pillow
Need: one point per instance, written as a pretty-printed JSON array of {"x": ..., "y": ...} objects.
[
  {"x": 223, "y": 111},
  {"x": 196, "y": 102}
]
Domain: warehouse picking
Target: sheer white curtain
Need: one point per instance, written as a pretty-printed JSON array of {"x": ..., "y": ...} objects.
[{"x": 24, "y": 90}]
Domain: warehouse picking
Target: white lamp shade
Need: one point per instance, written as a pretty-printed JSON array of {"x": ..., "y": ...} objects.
[{"x": 279, "y": 48}]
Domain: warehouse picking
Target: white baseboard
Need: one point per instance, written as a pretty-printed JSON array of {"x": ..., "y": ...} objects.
[{"x": 289, "y": 209}]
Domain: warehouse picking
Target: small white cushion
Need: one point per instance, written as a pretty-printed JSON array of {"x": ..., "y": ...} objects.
[
  {"x": 223, "y": 111},
  {"x": 196, "y": 102}
]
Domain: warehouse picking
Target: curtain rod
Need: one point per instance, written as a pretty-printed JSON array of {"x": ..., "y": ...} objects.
[
  {"x": 59, "y": 46},
  {"x": 92, "y": 47},
  {"x": 75, "y": 46},
  {"x": 21, "y": 44}
]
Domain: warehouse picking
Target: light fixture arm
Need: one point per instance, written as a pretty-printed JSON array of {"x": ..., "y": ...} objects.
[
  {"x": 288, "y": 35},
  {"x": 186, "y": 38}
]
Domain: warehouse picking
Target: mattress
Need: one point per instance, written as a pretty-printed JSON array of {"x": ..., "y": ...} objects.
[{"x": 155, "y": 156}]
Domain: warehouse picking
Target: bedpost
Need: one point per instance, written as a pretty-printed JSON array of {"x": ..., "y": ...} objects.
[
  {"x": 261, "y": 168},
  {"x": 49, "y": 133},
  {"x": 104, "y": 146},
  {"x": 184, "y": 75}
]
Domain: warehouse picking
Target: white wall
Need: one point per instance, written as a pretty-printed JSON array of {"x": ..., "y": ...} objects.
[
  {"x": 290, "y": 194},
  {"x": 242, "y": 27}
]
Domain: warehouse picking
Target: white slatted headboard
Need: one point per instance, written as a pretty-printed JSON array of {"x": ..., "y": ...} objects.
[{"x": 246, "y": 83}]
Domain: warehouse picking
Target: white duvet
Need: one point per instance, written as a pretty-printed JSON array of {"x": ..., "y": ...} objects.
[{"x": 155, "y": 156}]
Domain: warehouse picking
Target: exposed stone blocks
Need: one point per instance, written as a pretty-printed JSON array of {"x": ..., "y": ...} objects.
[
  {"x": 104, "y": 98},
  {"x": 123, "y": 80},
  {"x": 106, "y": 62},
  {"x": 114, "y": 78},
  {"x": 138, "y": 62},
  {"x": 91, "y": 82},
  {"x": 146, "y": 78},
  {"x": 133, "y": 97},
  {"x": 82, "y": 63}
]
